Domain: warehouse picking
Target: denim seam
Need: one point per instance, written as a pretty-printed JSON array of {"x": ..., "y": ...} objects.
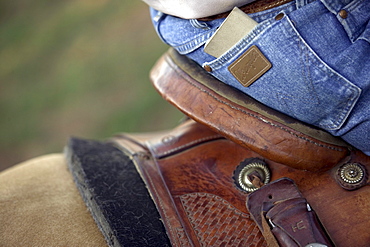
[
  {"x": 257, "y": 117},
  {"x": 194, "y": 44},
  {"x": 351, "y": 7},
  {"x": 366, "y": 39}
]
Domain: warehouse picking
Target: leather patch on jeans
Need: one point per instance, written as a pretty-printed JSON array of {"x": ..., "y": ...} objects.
[{"x": 250, "y": 66}]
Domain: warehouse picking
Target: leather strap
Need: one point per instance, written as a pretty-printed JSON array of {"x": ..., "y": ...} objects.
[{"x": 284, "y": 216}]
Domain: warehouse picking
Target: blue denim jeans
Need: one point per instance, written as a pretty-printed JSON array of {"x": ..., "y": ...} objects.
[{"x": 320, "y": 56}]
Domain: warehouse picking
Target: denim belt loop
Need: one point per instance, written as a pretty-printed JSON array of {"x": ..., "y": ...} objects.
[
  {"x": 335, "y": 6},
  {"x": 157, "y": 16},
  {"x": 199, "y": 24},
  {"x": 301, "y": 3},
  {"x": 357, "y": 14}
]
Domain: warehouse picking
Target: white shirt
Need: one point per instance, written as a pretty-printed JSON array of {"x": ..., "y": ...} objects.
[{"x": 191, "y": 9}]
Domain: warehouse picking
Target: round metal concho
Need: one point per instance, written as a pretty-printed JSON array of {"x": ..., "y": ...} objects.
[
  {"x": 352, "y": 176},
  {"x": 247, "y": 167}
]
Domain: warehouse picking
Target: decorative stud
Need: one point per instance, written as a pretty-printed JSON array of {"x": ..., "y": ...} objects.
[
  {"x": 352, "y": 176},
  {"x": 251, "y": 174}
]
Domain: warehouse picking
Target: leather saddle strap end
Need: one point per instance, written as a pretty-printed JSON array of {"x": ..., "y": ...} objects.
[{"x": 284, "y": 216}]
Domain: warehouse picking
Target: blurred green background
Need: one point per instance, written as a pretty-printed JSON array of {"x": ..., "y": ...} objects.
[{"x": 76, "y": 68}]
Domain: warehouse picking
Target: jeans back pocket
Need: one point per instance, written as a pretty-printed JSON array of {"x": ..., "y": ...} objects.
[{"x": 299, "y": 84}]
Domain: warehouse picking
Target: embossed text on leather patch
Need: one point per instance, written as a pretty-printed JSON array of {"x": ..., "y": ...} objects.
[{"x": 250, "y": 66}]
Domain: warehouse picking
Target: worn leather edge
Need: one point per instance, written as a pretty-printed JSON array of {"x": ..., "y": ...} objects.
[
  {"x": 185, "y": 136},
  {"x": 200, "y": 101},
  {"x": 149, "y": 172}
]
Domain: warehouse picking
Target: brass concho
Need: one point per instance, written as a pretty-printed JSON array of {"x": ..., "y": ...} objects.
[
  {"x": 250, "y": 167},
  {"x": 352, "y": 176}
]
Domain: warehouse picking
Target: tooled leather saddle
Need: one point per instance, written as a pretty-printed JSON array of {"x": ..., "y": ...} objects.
[{"x": 234, "y": 173}]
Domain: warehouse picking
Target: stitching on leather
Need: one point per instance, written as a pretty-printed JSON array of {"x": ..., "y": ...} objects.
[
  {"x": 169, "y": 225},
  {"x": 252, "y": 115},
  {"x": 209, "y": 138}
]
